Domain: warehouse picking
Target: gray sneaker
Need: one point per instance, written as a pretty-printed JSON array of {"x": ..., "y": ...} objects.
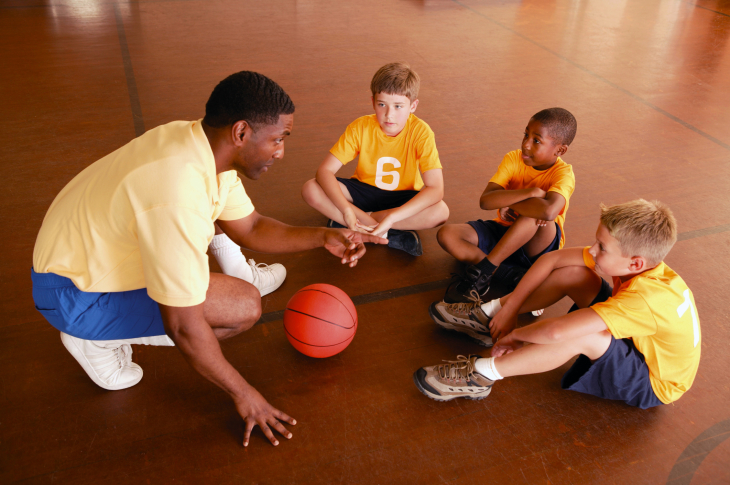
[
  {"x": 467, "y": 318},
  {"x": 455, "y": 378}
]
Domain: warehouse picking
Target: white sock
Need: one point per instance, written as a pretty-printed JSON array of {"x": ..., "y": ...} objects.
[
  {"x": 486, "y": 368},
  {"x": 229, "y": 257},
  {"x": 491, "y": 308}
]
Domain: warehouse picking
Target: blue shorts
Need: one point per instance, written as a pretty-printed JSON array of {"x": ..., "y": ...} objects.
[
  {"x": 95, "y": 316},
  {"x": 490, "y": 232},
  {"x": 620, "y": 374},
  {"x": 372, "y": 199}
]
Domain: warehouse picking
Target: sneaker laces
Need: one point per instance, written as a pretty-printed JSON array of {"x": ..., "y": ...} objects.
[
  {"x": 109, "y": 366},
  {"x": 262, "y": 273},
  {"x": 457, "y": 370},
  {"x": 465, "y": 308}
]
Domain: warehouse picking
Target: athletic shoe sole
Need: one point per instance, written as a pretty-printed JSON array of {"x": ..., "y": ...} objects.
[
  {"x": 438, "y": 397},
  {"x": 474, "y": 336}
]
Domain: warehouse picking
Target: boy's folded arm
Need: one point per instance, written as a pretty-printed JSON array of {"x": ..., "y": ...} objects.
[
  {"x": 571, "y": 326},
  {"x": 544, "y": 209},
  {"x": 327, "y": 179},
  {"x": 495, "y": 196}
]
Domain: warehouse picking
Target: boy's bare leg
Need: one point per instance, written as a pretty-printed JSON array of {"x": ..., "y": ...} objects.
[
  {"x": 523, "y": 232},
  {"x": 537, "y": 358},
  {"x": 461, "y": 241},
  {"x": 313, "y": 195},
  {"x": 429, "y": 217},
  {"x": 577, "y": 283}
]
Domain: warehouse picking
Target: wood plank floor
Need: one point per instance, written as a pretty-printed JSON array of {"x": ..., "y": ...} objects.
[{"x": 649, "y": 83}]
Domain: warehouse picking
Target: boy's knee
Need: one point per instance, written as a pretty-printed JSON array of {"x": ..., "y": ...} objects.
[
  {"x": 445, "y": 235},
  {"x": 310, "y": 191},
  {"x": 441, "y": 214}
]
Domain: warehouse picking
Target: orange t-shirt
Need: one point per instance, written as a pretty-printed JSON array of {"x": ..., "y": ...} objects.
[
  {"x": 513, "y": 174},
  {"x": 657, "y": 311}
]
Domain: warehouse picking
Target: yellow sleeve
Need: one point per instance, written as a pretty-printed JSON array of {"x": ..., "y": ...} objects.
[
  {"x": 563, "y": 182},
  {"x": 238, "y": 204},
  {"x": 588, "y": 259},
  {"x": 428, "y": 155},
  {"x": 349, "y": 145},
  {"x": 173, "y": 241},
  {"x": 505, "y": 171},
  {"x": 627, "y": 315}
]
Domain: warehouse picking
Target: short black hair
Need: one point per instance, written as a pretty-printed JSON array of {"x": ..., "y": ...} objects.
[
  {"x": 247, "y": 96},
  {"x": 560, "y": 123}
]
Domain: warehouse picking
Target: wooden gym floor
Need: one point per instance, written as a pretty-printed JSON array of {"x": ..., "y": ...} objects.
[{"x": 648, "y": 81}]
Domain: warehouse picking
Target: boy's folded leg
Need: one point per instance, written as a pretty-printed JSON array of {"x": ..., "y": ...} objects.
[
  {"x": 407, "y": 241},
  {"x": 466, "y": 318},
  {"x": 453, "y": 379}
]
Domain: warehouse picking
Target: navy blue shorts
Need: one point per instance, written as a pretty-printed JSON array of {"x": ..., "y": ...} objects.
[
  {"x": 490, "y": 232},
  {"x": 372, "y": 199},
  {"x": 620, "y": 374},
  {"x": 95, "y": 316}
]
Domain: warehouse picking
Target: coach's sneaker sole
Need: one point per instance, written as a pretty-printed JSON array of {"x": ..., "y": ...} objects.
[
  {"x": 267, "y": 277},
  {"x": 107, "y": 362},
  {"x": 466, "y": 318},
  {"x": 452, "y": 380},
  {"x": 407, "y": 241}
]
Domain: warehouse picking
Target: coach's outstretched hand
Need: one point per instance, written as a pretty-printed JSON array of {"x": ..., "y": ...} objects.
[
  {"x": 349, "y": 245},
  {"x": 255, "y": 410}
]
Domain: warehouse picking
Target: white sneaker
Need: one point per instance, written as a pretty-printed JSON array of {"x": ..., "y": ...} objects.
[
  {"x": 267, "y": 277},
  {"x": 107, "y": 362}
]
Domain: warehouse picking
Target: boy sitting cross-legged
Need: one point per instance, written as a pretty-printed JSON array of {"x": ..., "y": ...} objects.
[
  {"x": 531, "y": 188},
  {"x": 398, "y": 186},
  {"x": 638, "y": 342}
]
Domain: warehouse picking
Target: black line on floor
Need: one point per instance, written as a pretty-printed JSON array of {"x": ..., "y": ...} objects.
[
  {"x": 601, "y": 78},
  {"x": 129, "y": 74},
  {"x": 435, "y": 285},
  {"x": 705, "y": 8}
]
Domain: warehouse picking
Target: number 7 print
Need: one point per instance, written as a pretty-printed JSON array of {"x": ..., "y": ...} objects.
[{"x": 682, "y": 309}]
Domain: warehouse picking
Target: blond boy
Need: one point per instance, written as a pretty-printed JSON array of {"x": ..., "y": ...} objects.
[
  {"x": 638, "y": 342},
  {"x": 398, "y": 185}
]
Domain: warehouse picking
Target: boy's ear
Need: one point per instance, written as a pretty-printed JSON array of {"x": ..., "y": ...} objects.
[
  {"x": 561, "y": 150},
  {"x": 414, "y": 105},
  {"x": 637, "y": 264}
]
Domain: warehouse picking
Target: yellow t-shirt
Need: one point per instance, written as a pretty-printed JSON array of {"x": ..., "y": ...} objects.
[
  {"x": 388, "y": 162},
  {"x": 513, "y": 174},
  {"x": 142, "y": 217},
  {"x": 657, "y": 311}
]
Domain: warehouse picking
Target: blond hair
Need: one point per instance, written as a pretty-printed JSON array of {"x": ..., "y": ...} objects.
[
  {"x": 396, "y": 78},
  {"x": 642, "y": 228}
]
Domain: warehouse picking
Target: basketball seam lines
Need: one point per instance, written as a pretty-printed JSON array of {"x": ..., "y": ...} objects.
[
  {"x": 320, "y": 346},
  {"x": 321, "y": 319},
  {"x": 354, "y": 319}
]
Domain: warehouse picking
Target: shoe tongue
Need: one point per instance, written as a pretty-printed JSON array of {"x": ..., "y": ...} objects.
[{"x": 472, "y": 272}]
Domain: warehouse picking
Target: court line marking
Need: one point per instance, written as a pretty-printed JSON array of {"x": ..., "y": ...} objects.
[
  {"x": 129, "y": 74},
  {"x": 435, "y": 285},
  {"x": 694, "y": 454},
  {"x": 600, "y": 78}
]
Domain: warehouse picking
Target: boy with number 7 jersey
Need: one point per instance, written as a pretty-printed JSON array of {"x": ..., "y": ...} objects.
[
  {"x": 639, "y": 342},
  {"x": 398, "y": 186}
]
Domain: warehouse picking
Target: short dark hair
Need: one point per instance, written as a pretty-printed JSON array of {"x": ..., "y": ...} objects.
[
  {"x": 560, "y": 123},
  {"x": 247, "y": 96}
]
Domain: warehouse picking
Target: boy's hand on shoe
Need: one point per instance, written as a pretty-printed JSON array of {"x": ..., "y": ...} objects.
[
  {"x": 507, "y": 214},
  {"x": 506, "y": 345},
  {"x": 502, "y": 324}
]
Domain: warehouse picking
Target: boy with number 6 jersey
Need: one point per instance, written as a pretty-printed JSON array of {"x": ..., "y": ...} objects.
[
  {"x": 398, "y": 185},
  {"x": 639, "y": 342}
]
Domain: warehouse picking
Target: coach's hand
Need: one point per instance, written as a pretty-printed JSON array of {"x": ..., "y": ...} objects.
[
  {"x": 349, "y": 245},
  {"x": 255, "y": 410}
]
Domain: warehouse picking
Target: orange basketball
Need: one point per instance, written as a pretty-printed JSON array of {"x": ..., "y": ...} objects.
[{"x": 320, "y": 320}]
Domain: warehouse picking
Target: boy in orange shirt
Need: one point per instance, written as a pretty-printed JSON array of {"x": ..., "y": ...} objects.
[
  {"x": 638, "y": 342},
  {"x": 531, "y": 189},
  {"x": 398, "y": 186}
]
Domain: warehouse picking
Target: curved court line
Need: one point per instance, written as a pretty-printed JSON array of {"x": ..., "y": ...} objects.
[
  {"x": 600, "y": 78},
  {"x": 692, "y": 456}
]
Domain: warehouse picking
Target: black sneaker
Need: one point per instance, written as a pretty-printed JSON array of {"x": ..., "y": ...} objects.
[
  {"x": 334, "y": 224},
  {"x": 407, "y": 241},
  {"x": 508, "y": 277},
  {"x": 460, "y": 290}
]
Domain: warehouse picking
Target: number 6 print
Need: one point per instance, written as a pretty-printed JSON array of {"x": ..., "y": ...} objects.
[
  {"x": 682, "y": 309},
  {"x": 379, "y": 174}
]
